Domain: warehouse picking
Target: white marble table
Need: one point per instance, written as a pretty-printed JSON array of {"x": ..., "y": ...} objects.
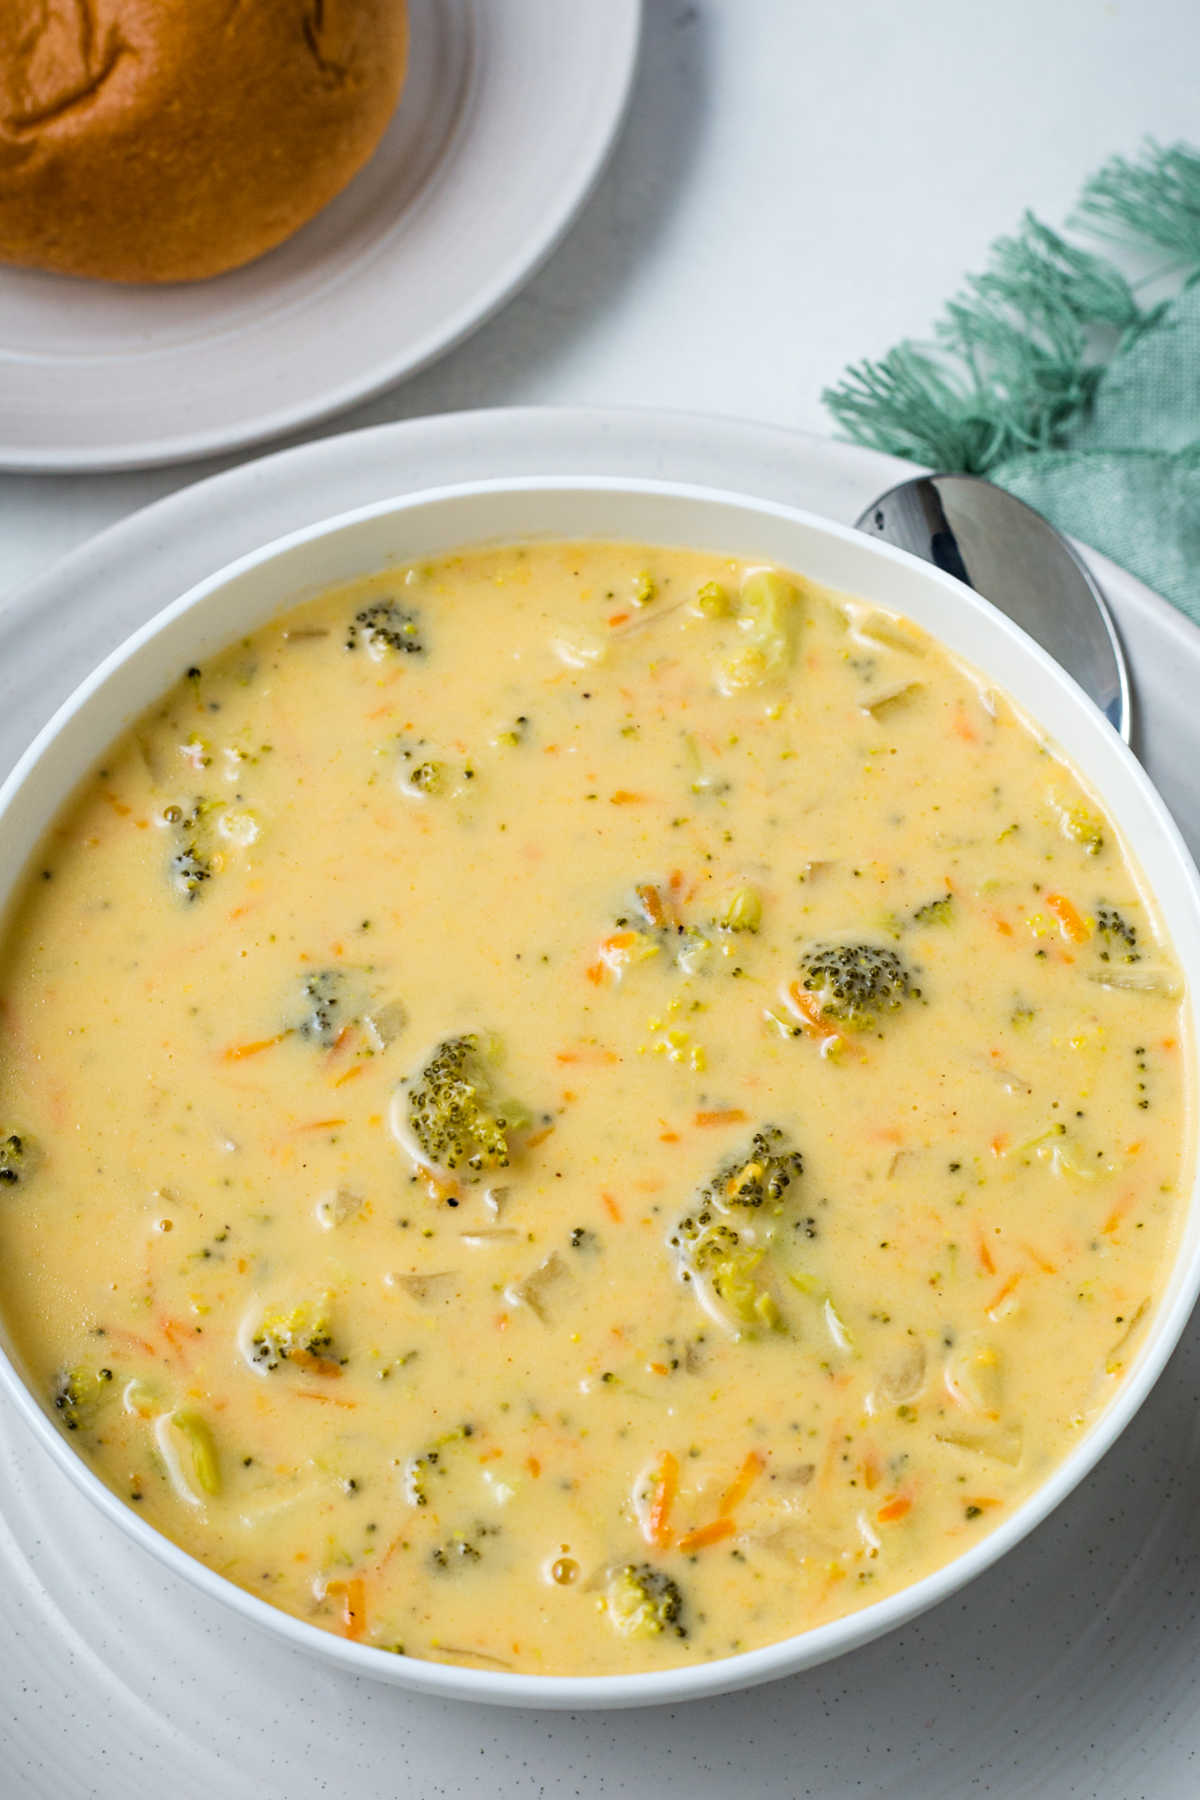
[{"x": 800, "y": 182}]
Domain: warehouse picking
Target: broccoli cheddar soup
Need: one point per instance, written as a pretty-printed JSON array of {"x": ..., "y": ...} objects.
[{"x": 578, "y": 1108}]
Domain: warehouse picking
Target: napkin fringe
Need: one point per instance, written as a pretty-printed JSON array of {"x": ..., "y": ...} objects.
[{"x": 1017, "y": 356}]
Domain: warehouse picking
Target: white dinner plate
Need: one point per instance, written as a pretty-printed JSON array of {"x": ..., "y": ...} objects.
[
  {"x": 1070, "y": 1670},
  {"x": 508, "y": 113}
]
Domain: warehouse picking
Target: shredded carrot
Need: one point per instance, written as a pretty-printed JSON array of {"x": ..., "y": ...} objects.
[
  {"x": 591, "y": 1053},
  {"x": 350, "y": 1075},
  {"x": 131, "y": 1337},
  {"x": 619, "y": 940},
  {"x": 1118, "y": 1213},
  {"x": 982, "y": 1501},
  {"x": 657, "y": 1368},
  {"x": 894, "y": 1509},
  {"x": 742, "y": 1482},
  {"x": 666, "y": 1486},
  {"x": 668, "y": 1136},
  {"x": 239, "y": 1052},
  {"x": 872, "y": 1468},
  {"x": 1074, "y": 926},
  {"x": 985, "y": 1255},
  {"x": 501, "y": 1321},
  {"x": 1003, "y": 1292},
  {"x": 618, "y": 618},
  {"x": 1047, "y": 1267},
  {"x": 625, "y": 797},
  {"x": 704, "y": 1535},
  {"x": 1003, "y": 927},
  {"x": 490, "y": 1454},
  {"x": 595, "y": 973},
  {"x": 315, "y": 1365},
  {"x": 534, "y": 1466},
  {"x": 174, "y": 1330},
  {"x": 399, "y": 1542},
  {"x": 729, "y": 1115},
  {"x": 962, "y": 725},
  {"x": 539, "y": 1137},
  {"x": 999, "y": 1143},
  {"x": 118, "y": 806},
  {"x": 809, "y": 1009},
  {"x": 325, "y": 1399},
  {"x": 611, "y": 1208},
  {"x": 440, "y": 1187},
  {"x": 652, "y": 903},
  {"x": 353, "y": 1595}
]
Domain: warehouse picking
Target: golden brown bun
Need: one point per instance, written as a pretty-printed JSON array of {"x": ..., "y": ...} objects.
[{"x": 167, "y": 140}]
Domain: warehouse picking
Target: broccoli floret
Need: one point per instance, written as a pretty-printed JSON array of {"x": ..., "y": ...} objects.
[
  {"x": 460, "y": 1549},
  {"x": 644, "y": 1602},
  {"x": 935, "y": 912},
  {"x": 17, "y": 1158},
  {"x": 302, "y": 1336},
  {"x": 715, "y": 1257},
  {"x": 419, "y": 1469},
  {"x": 854, "y": 983},
  {"x": 1117, "y": 936},
  {"x": 384, "y": 626},
  {"x": 712, "y": 1242},
  {"x": 454, "y": 1119},
  {"x": 721, "y": 1259},
  {"x": 78, "y": 1394},
  {"x": 1084, "y": 828},
  {"x": 764, "y": 1172},
  {"x": 428, "y": 777},
  {"x": 743, "y": 911},
  {"x": 189, "y": 871},
  {"x": 767, "y": 616},
  {"x": 454, "y": 1553},
  {"x": 326, "y": 1001},
  {"x": 192, "y": 863}
]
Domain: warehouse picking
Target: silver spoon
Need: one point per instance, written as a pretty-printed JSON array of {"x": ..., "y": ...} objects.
[{"x": 1016, "y": 559}]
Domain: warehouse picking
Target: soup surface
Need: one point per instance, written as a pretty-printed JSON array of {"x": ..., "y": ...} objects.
[{"x": 580, "y": 1107}]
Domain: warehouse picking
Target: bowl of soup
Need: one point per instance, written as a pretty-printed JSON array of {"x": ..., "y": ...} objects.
[{"x": 595, "y": 1089}]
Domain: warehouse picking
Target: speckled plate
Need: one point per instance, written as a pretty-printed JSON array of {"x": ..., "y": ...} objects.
[{"x": 1071, "y": 1669}]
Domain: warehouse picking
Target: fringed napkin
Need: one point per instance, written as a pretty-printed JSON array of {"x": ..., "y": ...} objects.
[{"x": 1050, "y": 376}]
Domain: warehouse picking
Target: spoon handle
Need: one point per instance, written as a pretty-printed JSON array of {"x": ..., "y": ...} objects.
[{"x": 1015, "y": 558}]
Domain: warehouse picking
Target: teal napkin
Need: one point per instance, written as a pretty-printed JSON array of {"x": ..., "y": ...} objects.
[{"x": 1049, "y": 375}]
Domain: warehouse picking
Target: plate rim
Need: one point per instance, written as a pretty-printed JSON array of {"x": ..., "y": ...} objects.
[
  {"x": 652, "y": 421},
  {"x": 626, "y": 28}
]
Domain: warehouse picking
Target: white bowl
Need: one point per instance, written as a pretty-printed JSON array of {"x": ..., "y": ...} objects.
[{"x": 247, "y": 593}]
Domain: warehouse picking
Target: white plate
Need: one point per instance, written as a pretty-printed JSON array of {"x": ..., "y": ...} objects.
[
  {"x": 508, "y": 113},
  {"x": 1073, "y": 1669}
]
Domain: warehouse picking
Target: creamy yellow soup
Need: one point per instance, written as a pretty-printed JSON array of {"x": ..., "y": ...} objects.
[{"x": 581, "y": 1108}]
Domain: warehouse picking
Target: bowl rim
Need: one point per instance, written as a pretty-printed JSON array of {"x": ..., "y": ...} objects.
[{"x": 805, "y": 1649}]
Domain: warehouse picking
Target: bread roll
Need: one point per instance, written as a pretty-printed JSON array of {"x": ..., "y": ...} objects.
[{"x": 169, "y": 140}]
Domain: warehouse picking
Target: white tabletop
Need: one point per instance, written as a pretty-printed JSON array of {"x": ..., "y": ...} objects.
[{"x": 800, "y": 183}]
